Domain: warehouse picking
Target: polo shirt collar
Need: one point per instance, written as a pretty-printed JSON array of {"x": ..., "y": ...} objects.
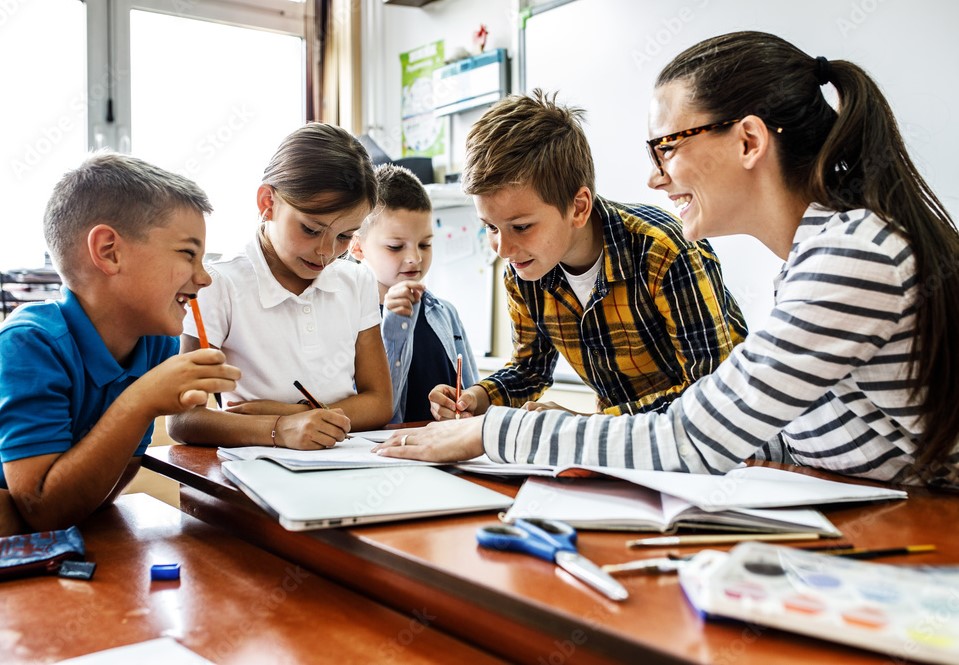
[
  {"x": 98, "y": 362},
  {"x": 271, "y": 292}
]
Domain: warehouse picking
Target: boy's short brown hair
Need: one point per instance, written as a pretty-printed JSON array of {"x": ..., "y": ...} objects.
[
  {"x": 530, "y": 140},
  {"x": 397, "y": 188},
  {"x": 127, "y": 193}
]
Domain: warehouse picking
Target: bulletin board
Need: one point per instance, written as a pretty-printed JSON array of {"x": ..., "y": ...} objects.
[{"x": 604, "y": 55}]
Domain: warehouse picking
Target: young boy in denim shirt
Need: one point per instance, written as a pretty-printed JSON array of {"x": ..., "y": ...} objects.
[
  {"x": 82, "y": 379},
  {"x": 423, "y": 335}
]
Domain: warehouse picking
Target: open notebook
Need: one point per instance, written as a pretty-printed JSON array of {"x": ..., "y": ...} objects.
[
  {"x": 621, "y": 505},
  {"x": 303, "y": 500}
]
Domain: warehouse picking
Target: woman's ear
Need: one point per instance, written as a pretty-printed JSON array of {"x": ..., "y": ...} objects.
[
  {"x": 755, "y": 140},
  {"x": 582, "y": 207},
  {"x": 103, "y": 246},
  {"x": 265, "y": 201}
]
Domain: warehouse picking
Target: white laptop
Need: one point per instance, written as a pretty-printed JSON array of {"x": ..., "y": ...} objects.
[{"x": 303, "y": 500}]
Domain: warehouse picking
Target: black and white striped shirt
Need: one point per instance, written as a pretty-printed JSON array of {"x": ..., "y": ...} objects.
[{"x": 828, "y": 372}]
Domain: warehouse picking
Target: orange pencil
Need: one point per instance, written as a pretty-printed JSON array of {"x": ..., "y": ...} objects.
[
  {"x": 459, "y": 382},
  {"x": 200, "y": 330},
  {"x": 201, "y": 334}
]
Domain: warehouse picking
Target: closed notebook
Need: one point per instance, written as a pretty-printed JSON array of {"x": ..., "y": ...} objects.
[{"x": 322, "y": 499}]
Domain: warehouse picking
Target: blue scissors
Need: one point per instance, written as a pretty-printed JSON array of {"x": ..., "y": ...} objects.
[{"x": 555, "y": 542}]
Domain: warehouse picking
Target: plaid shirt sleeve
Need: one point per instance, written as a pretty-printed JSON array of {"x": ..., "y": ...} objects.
[{"x": 530, "y": 370}]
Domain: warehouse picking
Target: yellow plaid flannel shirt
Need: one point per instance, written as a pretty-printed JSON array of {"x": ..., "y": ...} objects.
[{"x": 658, "y": 318}]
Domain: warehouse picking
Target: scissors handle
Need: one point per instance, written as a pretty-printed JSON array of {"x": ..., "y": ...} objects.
[
  {"x": 560, "y": 534},
  {"x": 540, "y": 538},
  {"x": 513, "y": 539}
]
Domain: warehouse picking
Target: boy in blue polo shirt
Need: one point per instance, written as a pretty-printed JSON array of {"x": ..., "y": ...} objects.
[{"x": 83, "y": 379}]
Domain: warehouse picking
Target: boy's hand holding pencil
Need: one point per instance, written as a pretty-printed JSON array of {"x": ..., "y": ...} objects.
[
  {"x": 185, "y": 381},
  {"x": 444, "y": 404}
]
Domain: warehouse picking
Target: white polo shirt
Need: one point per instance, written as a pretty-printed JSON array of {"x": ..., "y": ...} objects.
[{"x": 276, "y": 337}]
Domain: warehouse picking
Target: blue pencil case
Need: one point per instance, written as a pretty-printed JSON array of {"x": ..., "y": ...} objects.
[{"x": 39, "y": 553}]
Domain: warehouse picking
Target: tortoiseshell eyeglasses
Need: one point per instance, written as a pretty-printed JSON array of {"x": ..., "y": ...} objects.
[{"x": 652, "y": 144}]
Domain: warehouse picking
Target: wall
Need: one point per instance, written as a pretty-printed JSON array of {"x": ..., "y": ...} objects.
[{"x": 393, "y": 29}]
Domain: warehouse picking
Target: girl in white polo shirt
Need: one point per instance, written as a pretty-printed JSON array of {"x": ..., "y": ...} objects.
[{"x": 289, "y": 308}]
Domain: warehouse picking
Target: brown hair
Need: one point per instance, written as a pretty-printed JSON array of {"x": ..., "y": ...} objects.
[
  {"x": 530, "y": 140},
  {"x": 325, "y": 162},
  {"x": 845, "y": 160},
  {"x": 127, "y": 193},
  {"x": 397, "y": 188}
]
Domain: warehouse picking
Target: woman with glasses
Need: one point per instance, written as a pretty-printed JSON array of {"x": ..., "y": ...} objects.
[
  {"x": 289, "y": 310},
  {"x": 854, "y": 367}
]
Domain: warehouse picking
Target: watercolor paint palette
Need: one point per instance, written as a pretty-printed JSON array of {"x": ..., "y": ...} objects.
[{"x": 905, "y": 612}]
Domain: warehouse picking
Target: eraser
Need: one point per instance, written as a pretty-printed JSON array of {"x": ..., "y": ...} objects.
[
  {"x": 165, "y": 572},
  {"x": 77, "y": 570}
]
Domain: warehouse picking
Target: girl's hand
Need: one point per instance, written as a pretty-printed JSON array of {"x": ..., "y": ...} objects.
[{"x": 312, "y": 430}]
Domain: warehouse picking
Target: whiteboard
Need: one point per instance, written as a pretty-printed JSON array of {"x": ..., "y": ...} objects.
[
  {"x": 463, "y": 264},
  {"x": 604, "y": 55}
]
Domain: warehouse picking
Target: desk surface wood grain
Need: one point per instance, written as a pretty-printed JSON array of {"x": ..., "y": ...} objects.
[{"x": 234, "y": 602}]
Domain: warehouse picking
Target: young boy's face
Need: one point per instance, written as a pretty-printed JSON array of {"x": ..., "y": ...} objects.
[
  {"x": 531, "y": 235},
  {"x": 161, "y": 272},
  {"x": 398, "y": 247}
]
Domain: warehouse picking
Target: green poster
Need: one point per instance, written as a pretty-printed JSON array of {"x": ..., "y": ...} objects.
[{"x": 423, "y": 133}]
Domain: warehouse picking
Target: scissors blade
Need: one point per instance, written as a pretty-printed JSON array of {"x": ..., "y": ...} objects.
[{"x": 583, "y": 569}]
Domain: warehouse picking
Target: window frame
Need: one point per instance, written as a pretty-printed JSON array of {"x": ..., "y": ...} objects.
[{"x": 108, "y": 50}]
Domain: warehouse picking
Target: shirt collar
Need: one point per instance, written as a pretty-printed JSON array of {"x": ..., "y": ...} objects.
[
  {"x": 271, "y": 292},
  {"x": 98, "y": 362}
]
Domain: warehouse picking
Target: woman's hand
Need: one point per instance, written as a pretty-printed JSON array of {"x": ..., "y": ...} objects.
[{"x": 447, "y": 441}]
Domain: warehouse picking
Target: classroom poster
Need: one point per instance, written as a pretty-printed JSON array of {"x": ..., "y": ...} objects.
[{"x": 424, "y": 134}]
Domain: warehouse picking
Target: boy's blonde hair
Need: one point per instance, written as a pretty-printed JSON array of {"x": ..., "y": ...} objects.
[
  {"x": 397, "y": 188},
  {"x": 530, "y": 140},
  {"x": 127, "y": 193}
]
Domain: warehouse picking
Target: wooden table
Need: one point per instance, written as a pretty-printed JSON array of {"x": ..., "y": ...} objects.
[
  {"x": 528, "y": 610},
  {"x": 234, "y": 602}
]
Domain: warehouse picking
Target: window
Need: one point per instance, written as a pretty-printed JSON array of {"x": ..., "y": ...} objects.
[
  {"x": 44, "y": 116},
  {"x": 206, "y": 88},
  {"x": 220, "y": 124}
]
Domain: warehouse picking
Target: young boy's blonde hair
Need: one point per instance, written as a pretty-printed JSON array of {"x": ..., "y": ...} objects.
[
  {"x": 530, "y": 140},
  {"x": 397, "y": 188},
  {"x": 127, "y": 193}
]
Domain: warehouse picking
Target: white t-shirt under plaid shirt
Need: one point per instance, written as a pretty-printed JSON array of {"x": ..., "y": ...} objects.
[{"x": 829, "y": 373}]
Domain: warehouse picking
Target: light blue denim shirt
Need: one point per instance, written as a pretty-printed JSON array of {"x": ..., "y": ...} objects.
[{"x": 398, "y": 331}]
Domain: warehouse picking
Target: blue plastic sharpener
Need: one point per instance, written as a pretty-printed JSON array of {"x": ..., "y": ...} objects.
[{"x": 163, "y": 572}]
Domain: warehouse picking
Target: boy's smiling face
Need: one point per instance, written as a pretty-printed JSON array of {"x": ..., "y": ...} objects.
[
  {"x": 161, "y": 272},
  {"x": 534, "y": 236}
]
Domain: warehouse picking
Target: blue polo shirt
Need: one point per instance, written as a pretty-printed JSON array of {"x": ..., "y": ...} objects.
[{"x": 57, "y": 378}]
